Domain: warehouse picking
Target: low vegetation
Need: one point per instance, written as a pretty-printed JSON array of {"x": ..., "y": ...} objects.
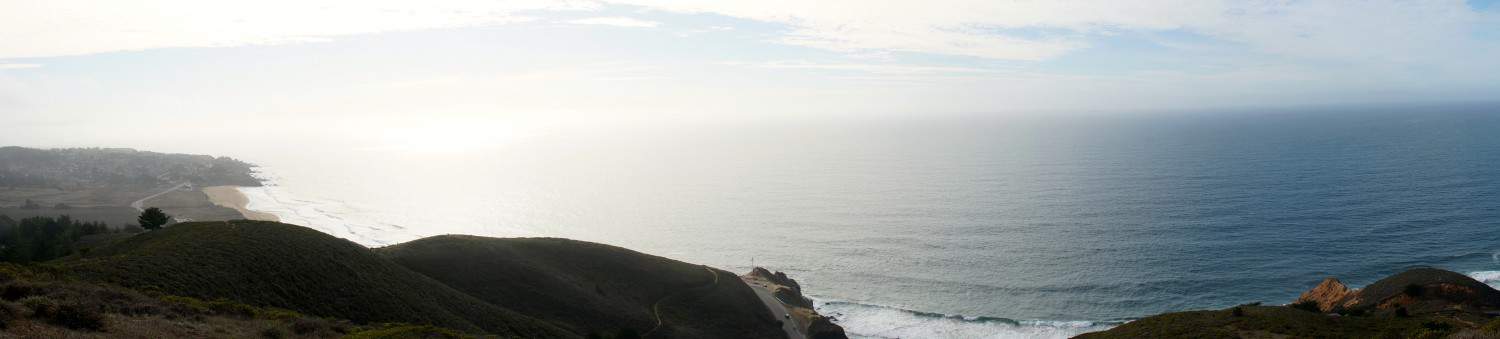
[
  {"x": 40, "y": 302},
  {"x": 250, "y": 279},
  {"x": 1417, "y": 303},
  {"x": 42, "y": 238},
  {"x": 270, "y": 264},
  {"x": 601, "y": 290}
]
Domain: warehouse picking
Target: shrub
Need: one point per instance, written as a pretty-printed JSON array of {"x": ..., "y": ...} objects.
[
  {"x": 7, "y": 313},
  {"x": 405, "y": 331},
  {"x": 1437, "y": 325},
  {"x": 78, "y": 317},
  {"x": 70, "y": 315},
  {"x": 1307, "y": 305},
  {"x": 16, "y": 291},
  {"x": 1359, "y": 312},
  {"x": 273, "y": 333},
  {"x": 1401, "y": 312},
  {"x": 1412, "y": 290},
  {"x": 1237, "y": 312},
  {"x": 153, "y": 218},
  {"x": 1492, "y": 327},
  {"x": 306, "y": 326},
  {"x": 38, "y": 304}
]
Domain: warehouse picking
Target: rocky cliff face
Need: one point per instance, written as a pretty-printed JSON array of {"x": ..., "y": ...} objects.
[
  {"x": 789, "y": 292},
  {"x": 1328, "y": 294},
  {"x": 1420, "y": 290},
  {"x": 784, "y": 288}
]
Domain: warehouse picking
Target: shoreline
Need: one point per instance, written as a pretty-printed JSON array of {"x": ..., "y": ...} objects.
[{"x": 231, "y": 197}]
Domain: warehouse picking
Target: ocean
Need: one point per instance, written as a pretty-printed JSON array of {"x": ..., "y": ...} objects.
[{"x": 1022, "y": 227}]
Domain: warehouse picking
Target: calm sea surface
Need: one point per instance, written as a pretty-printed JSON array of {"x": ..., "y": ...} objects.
[{"x": 966, "y": 228}]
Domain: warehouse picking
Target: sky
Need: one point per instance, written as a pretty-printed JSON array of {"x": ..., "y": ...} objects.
[{"x": 457, "y": 72}]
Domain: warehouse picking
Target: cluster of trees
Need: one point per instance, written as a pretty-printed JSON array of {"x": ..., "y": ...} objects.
[{"x": 42, "y": 238}]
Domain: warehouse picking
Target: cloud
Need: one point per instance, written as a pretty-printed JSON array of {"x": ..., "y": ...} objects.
[
  {"x": 876, "y": 69},
  {"x": 1396, "y": 32},
  {"x": 18, "y": 66},
  {"x": 1378, "y": 31},
  {"x": 616, "y": 21},
  {"x": 32, "y": 29}
]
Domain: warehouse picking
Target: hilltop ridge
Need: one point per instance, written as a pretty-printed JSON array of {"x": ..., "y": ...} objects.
[
  {"x": 469, "y": 285},
  {"x": 1416, "y": 303}
]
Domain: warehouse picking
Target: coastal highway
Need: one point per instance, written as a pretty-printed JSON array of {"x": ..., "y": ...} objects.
[
  {"x": 778, "y": 311},
  {"x": 140, "y": 205}
]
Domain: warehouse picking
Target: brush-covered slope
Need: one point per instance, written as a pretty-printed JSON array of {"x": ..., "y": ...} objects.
[
  {"x": 1418, "y": 303},
  {"x": 293, "y": 267},
  {"x": 592, "y": 288},
  {"x": 1424, "y": 290},
  {"x": 1288, "y": 322}
]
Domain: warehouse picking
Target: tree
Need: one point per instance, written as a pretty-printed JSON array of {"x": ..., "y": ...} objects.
[{"x": 153, "y": 218}]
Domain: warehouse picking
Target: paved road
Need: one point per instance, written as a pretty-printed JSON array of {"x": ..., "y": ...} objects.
[
  {"x": 140, "y": 205},
  {"x": 778, "y": 311}
]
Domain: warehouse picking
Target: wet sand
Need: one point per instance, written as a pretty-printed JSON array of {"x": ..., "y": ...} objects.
[{"x": 230, "y": 196}]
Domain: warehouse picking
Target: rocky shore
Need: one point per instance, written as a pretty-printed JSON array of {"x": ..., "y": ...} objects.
[{"x": 789, "y": 293}]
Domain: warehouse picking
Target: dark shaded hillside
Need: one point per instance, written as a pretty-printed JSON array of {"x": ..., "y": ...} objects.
[
  {"x": 1417, "y": 303},
  {"x": 1424, "y": 290},
  {"x": 293, "y": 267},
  {"x": 592, "y": 288}
]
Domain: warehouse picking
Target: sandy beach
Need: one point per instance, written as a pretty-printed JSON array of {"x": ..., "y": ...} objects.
[{"x": 230, "y": 196}]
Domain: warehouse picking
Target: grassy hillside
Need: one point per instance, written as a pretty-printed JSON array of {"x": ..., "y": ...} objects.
[
  {"x": 1288, "y": 322},
  {"x": 592, "y": 288},
  {"x": 293, "y": 267},
  {"x": 1417, "y": 303},
  {"x": 40, "y": 303},
  {"x": 1424, "y": 290}
]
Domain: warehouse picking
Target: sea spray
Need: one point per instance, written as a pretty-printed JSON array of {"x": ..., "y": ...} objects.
[
  {"x": 876, "y": 321},
  {"x": 327, "y": 216}
]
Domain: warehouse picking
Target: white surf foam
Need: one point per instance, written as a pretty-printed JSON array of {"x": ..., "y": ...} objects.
[
  {"x": 1491, "y": 278},
  {"x": 875, "y": 321},
  {"x": 327, "y": 216}
]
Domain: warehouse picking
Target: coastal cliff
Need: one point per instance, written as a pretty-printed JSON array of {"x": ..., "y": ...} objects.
[
  {"x": 246, "y": 278},
  {"x": 786, "y": 291},
  {"x": 1417, "y": 303}
]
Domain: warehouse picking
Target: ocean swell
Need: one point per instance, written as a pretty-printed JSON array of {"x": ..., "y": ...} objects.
[
  {"x": 876, "y": 321},
  {"x": 328, "y": 216}
]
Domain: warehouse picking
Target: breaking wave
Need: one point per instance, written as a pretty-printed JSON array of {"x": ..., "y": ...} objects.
[{"x": 876, "y": 321}]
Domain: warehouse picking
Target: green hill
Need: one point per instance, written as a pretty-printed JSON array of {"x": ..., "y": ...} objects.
[
  {"x": 592, "y": 288},
  {"x": 293, "y": 267},
  {"x": 1417, "y": 303}
]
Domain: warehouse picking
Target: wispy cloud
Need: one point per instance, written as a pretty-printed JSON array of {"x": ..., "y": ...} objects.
[
  {"x": 76, "y": 27},
  {"x": 1406, "y": 31},
  {"x": 18, "y": 66},
  {"x": 617, "y": 21},
  {"x": 878, "y": 69}
]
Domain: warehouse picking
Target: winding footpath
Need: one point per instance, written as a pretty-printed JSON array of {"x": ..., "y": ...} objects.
[{"x": 656, "y": 307}]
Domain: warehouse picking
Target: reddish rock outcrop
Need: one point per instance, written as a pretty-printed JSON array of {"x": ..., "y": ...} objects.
[
  {"x": 1329, "y": 294},
  {"x": 1420, "y": 290}
]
